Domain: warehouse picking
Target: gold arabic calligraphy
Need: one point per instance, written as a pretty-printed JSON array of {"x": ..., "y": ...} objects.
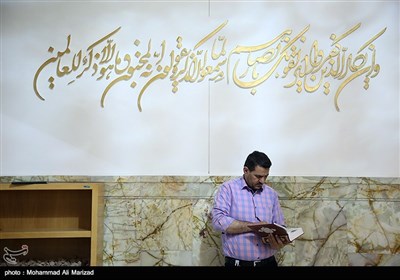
[{"x": 307, "y": 71}]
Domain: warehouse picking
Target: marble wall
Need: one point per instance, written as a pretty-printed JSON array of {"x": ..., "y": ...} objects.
[{"x": 165, "y": 221}]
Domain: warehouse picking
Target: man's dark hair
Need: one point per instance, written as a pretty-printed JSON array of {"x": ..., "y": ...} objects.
[{"x": 257, "y": 158}]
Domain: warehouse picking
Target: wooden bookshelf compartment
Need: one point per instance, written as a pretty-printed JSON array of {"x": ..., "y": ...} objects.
[
  {"x": 65, "y": 250},
  {"x": 57, "y": 220}
]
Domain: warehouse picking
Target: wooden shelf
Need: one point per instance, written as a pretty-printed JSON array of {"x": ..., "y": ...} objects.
[
  {"x": 59, "y": 220},
  {"x": 45, "y": 233}
]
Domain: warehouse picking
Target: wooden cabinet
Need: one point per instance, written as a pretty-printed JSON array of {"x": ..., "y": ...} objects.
[{"x": 51, "y": 221}]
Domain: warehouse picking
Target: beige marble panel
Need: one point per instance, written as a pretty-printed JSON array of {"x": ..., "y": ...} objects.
[
  {"x": 165, "y": 220},
  {"x": 165, "y": 224},
  {"x": 166, "y": 258},
  {"x": 373, "y": 260},
  {"x": 374, "y": 227},
  {"x": 206, "y": 242}
]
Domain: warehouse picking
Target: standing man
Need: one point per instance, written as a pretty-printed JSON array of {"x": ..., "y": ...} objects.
[{"x": 248, "y": 200}]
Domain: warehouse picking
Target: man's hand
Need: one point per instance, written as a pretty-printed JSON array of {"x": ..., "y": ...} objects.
[{"x": 274, "y": 241}]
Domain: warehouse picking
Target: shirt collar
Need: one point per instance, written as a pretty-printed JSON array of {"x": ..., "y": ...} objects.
[{"x": 245, "y": 186}]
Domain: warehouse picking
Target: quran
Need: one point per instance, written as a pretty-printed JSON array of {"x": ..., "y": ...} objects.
[{"x": 286, "y": 235}]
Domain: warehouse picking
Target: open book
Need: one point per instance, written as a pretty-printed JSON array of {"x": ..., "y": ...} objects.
[{"x": 287, "y": 235}]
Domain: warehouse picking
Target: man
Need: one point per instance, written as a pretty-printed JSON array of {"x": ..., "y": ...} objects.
[{"x": 248, "y": 200}]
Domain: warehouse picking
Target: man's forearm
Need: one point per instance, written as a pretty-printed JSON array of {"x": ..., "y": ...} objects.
[{"x": 238, "y": 227}]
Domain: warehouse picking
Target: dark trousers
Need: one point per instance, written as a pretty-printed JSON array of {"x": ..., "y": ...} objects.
[{"x": 269, "y": 262}]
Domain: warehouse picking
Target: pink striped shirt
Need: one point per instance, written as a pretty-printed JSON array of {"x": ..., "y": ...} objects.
[{"x": 235, "y": 201}]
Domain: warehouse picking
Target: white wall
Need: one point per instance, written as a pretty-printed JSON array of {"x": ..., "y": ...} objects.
[{"x": 206, "y": 127}]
